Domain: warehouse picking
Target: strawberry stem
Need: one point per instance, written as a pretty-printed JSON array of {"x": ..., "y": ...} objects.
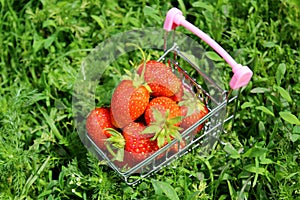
[
  {"x": 137, "y": 80},
  {"x": 115, "y": 142}
]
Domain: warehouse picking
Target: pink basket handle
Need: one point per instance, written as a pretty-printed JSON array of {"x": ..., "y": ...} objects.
[{"x": 241, "y": 74}]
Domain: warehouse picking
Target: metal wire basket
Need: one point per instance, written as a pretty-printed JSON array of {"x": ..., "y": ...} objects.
[{"x": 189, "y": 62}]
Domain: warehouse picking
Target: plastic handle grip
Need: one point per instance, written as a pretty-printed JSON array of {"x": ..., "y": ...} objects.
[{"x": 241, "y": 74}]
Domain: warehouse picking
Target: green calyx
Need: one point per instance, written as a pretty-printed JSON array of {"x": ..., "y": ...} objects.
[
  {"x": 115, "y": 144},
  {"x": 191, "y": 101},
  {"x": 137, "y": 80},
  {"x": 165, "y": 128}
]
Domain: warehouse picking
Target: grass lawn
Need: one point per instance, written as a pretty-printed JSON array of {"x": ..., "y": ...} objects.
[{"x": 43, "y": 44}]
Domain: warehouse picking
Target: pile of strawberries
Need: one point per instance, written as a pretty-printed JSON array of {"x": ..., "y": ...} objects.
[{"x": 149, "y": 108}]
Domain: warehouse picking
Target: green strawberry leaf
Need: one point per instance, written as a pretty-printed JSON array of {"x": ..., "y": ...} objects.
[
  {"x": 160, "y": 140},
  {"x": 174, "y": 120},
  {"x": 147, "y": 87},
  {"x": 164, "y": 128},
  {"x": 177, "y": 135},
  {"x": 116, "y": 138},
  {"x": 137, "y": 80},
  {"x": 151, "y": 129},
  {"x": 115, "y": 144},
  {"x": 119, "y": 155},
  {"x": 158, "y": 116},
  {"x": 128, "y": 75},
  {"x": 168, "y": 138}
]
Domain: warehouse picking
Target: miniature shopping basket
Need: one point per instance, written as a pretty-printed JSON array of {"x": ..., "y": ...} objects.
[{"x": 189, "y": 62}]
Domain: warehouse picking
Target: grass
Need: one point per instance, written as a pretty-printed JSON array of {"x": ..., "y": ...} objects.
[{"x": 42, "y": 46}]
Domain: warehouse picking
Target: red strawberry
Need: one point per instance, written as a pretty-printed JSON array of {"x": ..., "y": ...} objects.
[
  {"x": 113, "y": 120},
  {"x": 162, "y": 104},
  {"x": 128, "y": 102},
  {"x": 177, "y": 147},
  {"x": 189, "y": 120},
  {"x": 178, "y": 96},
  {"x": 139, "y": 145},
  {"x": 96, "y": 123},
  {"x": 132, "y": 146},
  {"x": 163, "y": 117},
  {"x": 160, "y": 78},
  {"x": 193, "y": 110}
]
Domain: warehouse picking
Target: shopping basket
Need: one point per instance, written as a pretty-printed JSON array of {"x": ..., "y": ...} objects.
[{"x": 188, "y": 61}]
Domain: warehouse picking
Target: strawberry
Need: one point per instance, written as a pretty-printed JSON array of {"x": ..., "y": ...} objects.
[
  {"x": 160, "y": 78},
  {"x": 177, "y": 147},
  {"x": 96, "y": 123},
  {"x": 178, "y": 96},
  {"x": 162, "y": 104},
  {"x": 132, "y": 146},
  {"x": 128, "y": 102},
  {"x": 113, "y": 121},
  {"x": 139, "y": 145},
  {"x": 163, "y": 117},
  {"x": 193, "y": 110},
  {"x": 189, "y": 120}
]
